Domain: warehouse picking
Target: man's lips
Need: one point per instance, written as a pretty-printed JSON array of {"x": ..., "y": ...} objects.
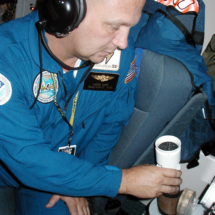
[{"x": 105, "y": 53}]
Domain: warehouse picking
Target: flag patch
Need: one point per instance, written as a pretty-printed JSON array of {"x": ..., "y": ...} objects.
[{"x": 132, "y": 71}]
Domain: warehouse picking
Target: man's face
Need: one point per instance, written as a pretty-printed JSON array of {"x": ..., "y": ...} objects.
[{"x": 104, "y": 29}]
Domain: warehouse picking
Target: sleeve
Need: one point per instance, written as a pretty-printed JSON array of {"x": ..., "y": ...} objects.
[
  {"x": 135, "y": 30},
  {"x": 30, "y": 161}
]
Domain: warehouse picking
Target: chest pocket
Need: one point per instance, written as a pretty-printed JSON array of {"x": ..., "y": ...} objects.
[
  {"x": 121, "y": 109},
  {"x": 105, "y": 107},
  {"x": 90, "y": 104}
]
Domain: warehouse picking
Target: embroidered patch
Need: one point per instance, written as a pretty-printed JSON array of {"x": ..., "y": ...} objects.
[
  {"x": 132, "y": 71},
  {"x": 111, "y": 62},
  {"x": 5, "y": 90},
  {"x": 47, "y": 90},
  {"x": 183, "y": 6},
  {"x": 101, "y": 81}
]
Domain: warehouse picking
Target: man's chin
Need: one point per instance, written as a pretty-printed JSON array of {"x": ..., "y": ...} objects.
[{"x": 97, "y": 59}]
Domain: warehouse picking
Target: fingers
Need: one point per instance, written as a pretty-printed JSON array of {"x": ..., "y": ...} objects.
[
  {"x": 88, "y": 211},
  {"x": 169, "y": 189},
  {"x": 83, "y": 210},
  {"x": 172, "y": 181},
  {"x": 76, "y": 205},
  {"x": 52, "y": 201},
  {"x": 149, "y": 181},
  {"x": 173, "y": 173}
]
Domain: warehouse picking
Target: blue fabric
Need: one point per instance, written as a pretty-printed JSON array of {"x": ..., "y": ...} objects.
[
  {"x": 198, "y": 132},
  {"x": 138, "y": 53},
  {"x": 151, "y": 6},
  {"x": 175, "y": 45},
  {"x": 29, "y": 139},
  {"x": 32, "y": 202},
  {"x": 7, "y": 203}
]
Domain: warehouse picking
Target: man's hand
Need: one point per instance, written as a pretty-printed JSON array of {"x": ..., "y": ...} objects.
[
  {"x": 149, "y": 181},
  {"x": 76, "y": 205}
]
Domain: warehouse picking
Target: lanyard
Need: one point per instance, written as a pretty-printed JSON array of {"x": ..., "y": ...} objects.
[
  {"x": 60, "y": 110},
  {"x": 73, "y": 109},
  {"x": 70, "y": 123}
]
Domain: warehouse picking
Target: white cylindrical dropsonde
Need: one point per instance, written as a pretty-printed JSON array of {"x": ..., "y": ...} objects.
[
  {"x": 168, "y": 155},
  {"x": 168, "y": 152}
]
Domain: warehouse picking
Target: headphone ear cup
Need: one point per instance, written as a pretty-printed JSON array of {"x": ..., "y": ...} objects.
[
  {"x": 62, "y": 16},
  {"x": 82, "y": 9}
]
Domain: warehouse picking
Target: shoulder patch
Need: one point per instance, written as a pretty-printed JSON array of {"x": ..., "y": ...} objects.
[
  {"x": 110, "y": 63},
  {"x": 132, "y": 71},
  {"x": 47, "y": 90},
  {"x": 5, "y": 90}
]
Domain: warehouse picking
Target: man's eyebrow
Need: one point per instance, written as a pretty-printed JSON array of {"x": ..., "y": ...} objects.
[{"x": 119, "y": 23}]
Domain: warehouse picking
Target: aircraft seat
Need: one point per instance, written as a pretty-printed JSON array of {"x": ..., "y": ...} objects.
[{"x": 164, "y": 106}]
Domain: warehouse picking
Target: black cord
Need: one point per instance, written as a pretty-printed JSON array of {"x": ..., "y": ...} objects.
[{"x": 40, "y": 26}]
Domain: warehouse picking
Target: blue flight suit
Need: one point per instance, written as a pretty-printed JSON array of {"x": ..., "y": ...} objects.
[{"x": 30, "y": 138}]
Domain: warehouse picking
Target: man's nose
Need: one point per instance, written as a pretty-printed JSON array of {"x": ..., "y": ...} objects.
[{"x": 121, "y": 39}]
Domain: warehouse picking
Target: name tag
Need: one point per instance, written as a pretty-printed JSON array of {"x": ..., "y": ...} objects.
[
  {"x": 101, "y": 81},
  {"x": 68, "y": 149}
]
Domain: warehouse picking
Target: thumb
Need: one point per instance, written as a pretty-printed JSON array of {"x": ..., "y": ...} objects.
[{"x": 52, "y": 201}]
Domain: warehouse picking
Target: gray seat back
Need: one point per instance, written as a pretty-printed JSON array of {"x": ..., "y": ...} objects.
[{"x": 163, "y": 106}]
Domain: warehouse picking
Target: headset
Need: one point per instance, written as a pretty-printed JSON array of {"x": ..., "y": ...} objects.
[
  {"x": 59, "y": 18},
  {"x": 62, "y": 16}
]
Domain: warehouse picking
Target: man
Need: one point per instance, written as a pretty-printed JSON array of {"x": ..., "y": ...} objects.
[{"x": 57, "y": 130}]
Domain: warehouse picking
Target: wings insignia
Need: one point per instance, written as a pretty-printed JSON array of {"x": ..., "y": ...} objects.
[{"x": 103, "y": 78}]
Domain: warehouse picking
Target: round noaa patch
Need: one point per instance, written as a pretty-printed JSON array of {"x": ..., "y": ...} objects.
[
  {"x": 5, "y": 90},
  {"x": 48, "y": 89}
]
